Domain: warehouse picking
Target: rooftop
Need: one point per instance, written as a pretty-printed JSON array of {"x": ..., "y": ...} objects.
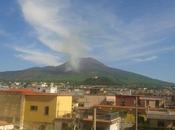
[
  {"x": 165, "y": 115},
  {"x": 30, "y": 92},
  {"x": 102, "y": 116}
]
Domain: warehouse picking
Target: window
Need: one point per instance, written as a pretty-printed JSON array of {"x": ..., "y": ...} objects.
[
  {"x": 157, "y": 104},
  {"x": 81, "y": 105},
  {"x": 33, "y": 108},
  {"x": 173, "y": 123},
  {"x": 161, "y": 123},
  {"x": 46, "y": 110},
  {"x": 122, "y": 102}
]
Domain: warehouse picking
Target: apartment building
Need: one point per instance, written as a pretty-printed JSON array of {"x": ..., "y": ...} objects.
[
  {"x": 31, "y": 110},
  {"x": 161, "y": 119},
  {"x": 104, "y": 121}
]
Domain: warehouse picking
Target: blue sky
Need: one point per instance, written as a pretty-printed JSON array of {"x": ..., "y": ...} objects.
[{"x": 134, "y": 35}]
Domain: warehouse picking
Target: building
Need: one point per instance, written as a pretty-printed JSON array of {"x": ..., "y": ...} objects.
[
  {"x": 45, "y": 108},
  {"x": 89, "y": 101},
  {"x": 6, "y": 126},
  {"x": 161, "y": 119},
  {"x": 50, "y": 89},
  {"x": 125, "y": 100},
  {"x": 31, "y": 110},
  {"x": 104, "y": 121},
  {"x": 12, "y": 106},
  {"x": 152, "y": 102},
  {"x": 64, "y": 123}
]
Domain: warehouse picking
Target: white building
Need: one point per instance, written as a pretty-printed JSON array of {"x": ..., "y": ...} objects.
[
  {"x": 52, "y": 89},
  {"x": 104, "y": 121},
  {"x": 6, "y": 126}
]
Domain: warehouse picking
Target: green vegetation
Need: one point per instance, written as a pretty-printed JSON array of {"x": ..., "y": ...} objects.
[
  {"x": 98, "y": 81},
  {"x": 89, "y": 68}
]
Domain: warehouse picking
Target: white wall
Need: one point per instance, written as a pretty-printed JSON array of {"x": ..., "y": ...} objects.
[
  {"x": 7, "y": 127},
  {"x": 115, "y": 126}
]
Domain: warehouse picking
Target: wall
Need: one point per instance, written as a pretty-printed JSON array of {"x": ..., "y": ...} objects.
[
  {"x": 64, "y": 105},
  {"x": 10, "y": 107},
  {"x": 154, "y": 123},
  {"x": 130, "y": 118},
  {"x": 6, "y": 127},
  {"x": 111, "y": 99},
  {"x": 115, "y": 126},
  {"x": 41, "y": 101},
  {"x": 58, "y": 125},
  {"x": 127, "y": 100},
  {"x": 90, "y": 101},
  {"x": 152, "y": 104},
  {"x": 38, "y": 126}
]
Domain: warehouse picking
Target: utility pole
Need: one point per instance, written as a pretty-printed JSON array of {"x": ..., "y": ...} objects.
[
  {"x": 22, "y": 105},
  {"x": 76, "y": 118},
  {"x": 94, "y": 119},
  {"x": 136, "y": 113}
]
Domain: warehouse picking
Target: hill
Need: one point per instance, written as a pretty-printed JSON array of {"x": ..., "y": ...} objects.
[{"x": 90, "y": 71}]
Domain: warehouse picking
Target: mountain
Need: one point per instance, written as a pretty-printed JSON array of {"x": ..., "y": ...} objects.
[{"x": 90, "y": 71}]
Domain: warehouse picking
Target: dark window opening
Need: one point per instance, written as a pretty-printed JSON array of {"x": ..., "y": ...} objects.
[
  {"x": 157, "y": 104},
  {"x": 161, "y": 123},
  {"x": 33, "y": 108},
  {"x": 173, "y": 123},
  {"x": 122, "y": 103},
  {"x": 46, "y": 110}
]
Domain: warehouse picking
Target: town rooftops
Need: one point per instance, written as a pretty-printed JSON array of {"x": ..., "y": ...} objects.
[{"x": 16, "y": 91}]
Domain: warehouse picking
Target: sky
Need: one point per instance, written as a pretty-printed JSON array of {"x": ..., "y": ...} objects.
[{"x": 133, "y": 35}]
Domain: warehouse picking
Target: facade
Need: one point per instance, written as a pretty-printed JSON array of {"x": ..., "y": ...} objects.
[
  {"x": 50, "y": 89},
  {"x": 143, "y": 102},
  {"x": 104, "y": 121},
  {"x": 12, "y": 107},
  {"x": 20, "y": 108},
  {"x": 125, "y": 100},
  {"x": 89, "y": 101},
  {"x": 152, "y": 102},
  {"x": 161, "y": 119},
  {"x": 64, "y": 123}
]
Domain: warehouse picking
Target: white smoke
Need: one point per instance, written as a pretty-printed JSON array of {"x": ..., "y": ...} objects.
[
  {"x": 48, "y": 20},
  {"x": 105, "y": 34}
]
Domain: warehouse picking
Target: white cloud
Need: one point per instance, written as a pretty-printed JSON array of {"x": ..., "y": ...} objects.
[
  {"x": 91, "y": 30},
  {"x": 49, "y": 21},
  {"x": 146, "y": 59},
  {"x": 38, "y": 57}
]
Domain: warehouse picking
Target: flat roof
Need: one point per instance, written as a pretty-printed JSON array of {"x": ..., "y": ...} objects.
[
  {"x": 102, "y": 120},
  {"x": 160, "y": 115},
  {"x": 151, "y": 98},
  {"x": 122, "y": 107},
  {"x": 30, "y": 92}
]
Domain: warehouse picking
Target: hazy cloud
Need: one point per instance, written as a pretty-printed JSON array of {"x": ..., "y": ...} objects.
[
  {"x": 145, "y": 59},
  {"x": 90, "y": 30},
  {"x": 38, "y": 57},
  {"x": 49, "y": 21}
]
